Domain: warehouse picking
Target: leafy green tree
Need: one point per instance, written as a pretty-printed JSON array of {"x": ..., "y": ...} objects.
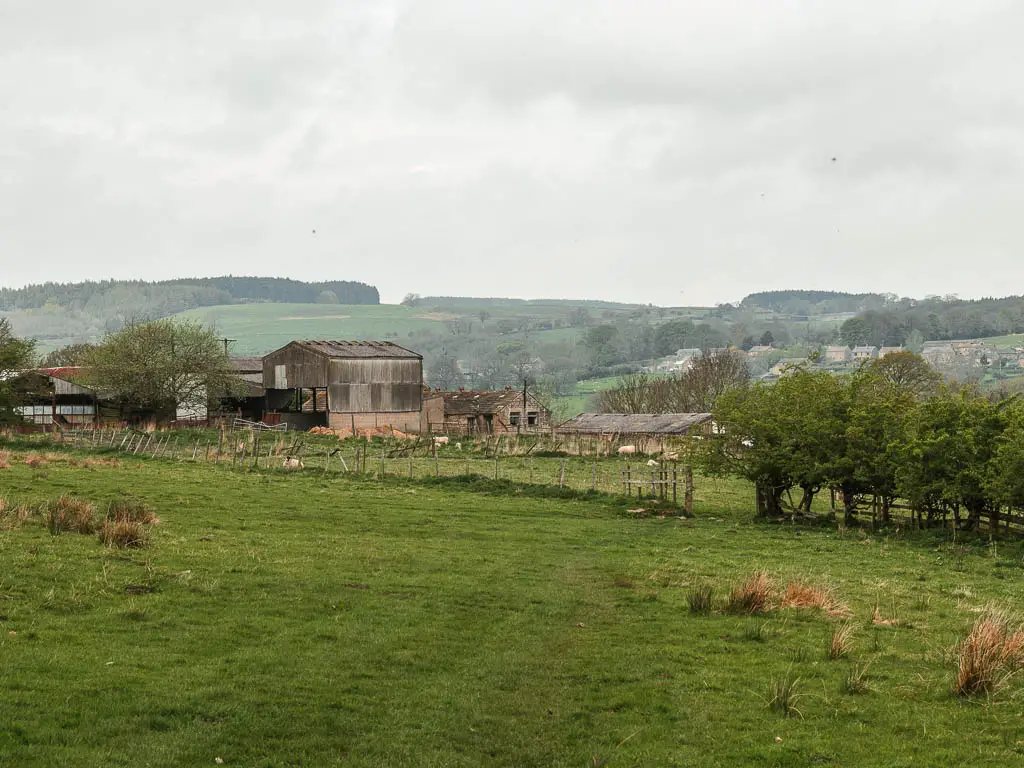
[
  {"x": 601, "y": 344},
  {"x": 673, "y": 335},
  {"x": 327, "y": 297},
  {"x": 70, "y": 355},
  {"x": 16, "y": 355},
  {"x": 767, "y": 339},
  {"x": 160, "y": 365},
  {"x": 1005, "y": 478},
  {"x": 945, "y": 460},
  {"x": 780, "y": 436},
  {"x": 907, "y": 372},
  {"x": 855, "y": 332}
]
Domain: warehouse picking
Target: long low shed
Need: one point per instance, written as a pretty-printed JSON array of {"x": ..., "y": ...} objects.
[{"x": 659, "y": 424}]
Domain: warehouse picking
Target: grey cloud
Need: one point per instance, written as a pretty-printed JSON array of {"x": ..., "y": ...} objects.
[{"x": 435, "y": 144}]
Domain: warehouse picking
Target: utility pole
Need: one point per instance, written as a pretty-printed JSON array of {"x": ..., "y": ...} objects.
[
  {"x": 226, "y": 342},
  {"x": 522, "y": 417}
]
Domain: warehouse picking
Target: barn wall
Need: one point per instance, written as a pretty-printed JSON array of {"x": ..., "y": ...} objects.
[
  {"x": 302, "y": 368},
  {"x": 375, "y": 385},
  {"x": 408, "y": 421}
]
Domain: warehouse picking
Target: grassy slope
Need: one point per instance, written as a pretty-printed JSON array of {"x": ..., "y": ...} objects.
[
  {"x": 297, "y": 620},
  {"x": 1006, "y": 342},
  {"x": 261, "y": 328}
]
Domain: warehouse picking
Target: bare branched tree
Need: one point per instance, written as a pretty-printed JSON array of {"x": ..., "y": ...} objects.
[{"x": 693, "y": 391}]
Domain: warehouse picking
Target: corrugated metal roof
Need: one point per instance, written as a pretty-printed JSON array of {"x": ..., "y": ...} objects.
[
  {"x": 470, "y": 403},
  {"x": 246, "y": 364},
  {"x": 334, "y": 348},
  {"x": 635, "y": 423}
]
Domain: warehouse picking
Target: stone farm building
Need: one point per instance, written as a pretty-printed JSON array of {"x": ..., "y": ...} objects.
[
  {"x": 502, "y": 411},
  {"x": 354, "y": 384}
]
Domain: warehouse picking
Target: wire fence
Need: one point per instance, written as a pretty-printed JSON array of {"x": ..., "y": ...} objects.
[{"x": 261, "y": 450}]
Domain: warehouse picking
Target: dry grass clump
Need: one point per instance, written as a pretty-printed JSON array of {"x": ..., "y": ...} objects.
[
  {"x": 70, "y": 514},
  {"x": 753, "y": 595},
  {"x": 806, "y": 596},
  {"x": 35, "y": 461},
  {"x": 992, "y": 651},
  {"x": 127, "y": 524},
  {"x": 132, "y": 511},
  {"x": 124, "y": 534},
  {"x": 5, "y": 459},
  {"x": 841, "y": 641}
]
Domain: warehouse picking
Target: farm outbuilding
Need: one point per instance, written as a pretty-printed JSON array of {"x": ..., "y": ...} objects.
[
  {"x": 494, "y": 412},
  {"x": 249, "y": 401},
  {"x": 339, "y": 384},
  {"x": 648, "y": 431},
  {"x": 57, "y": 396}
]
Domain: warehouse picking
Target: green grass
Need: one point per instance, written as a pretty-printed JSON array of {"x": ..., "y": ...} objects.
[
  {"x": 261, "y": 328},
  {"x": 304, "y": 620},
  {"x": 577, "y": 402},
  {"x": 1006, "y": 342}
]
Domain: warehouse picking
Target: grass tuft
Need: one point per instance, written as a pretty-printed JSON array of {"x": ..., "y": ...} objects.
[
  {"x": 70, "y": 514},
  {"x": 131, "y": 510},
  {"x": 700, "y": 599},
  {"x": 5, "y": 459},
  {"x": 35, "y": 461},
  {"x": 783, "y": 694},
  {"x": 124, "y": 534},
  {"x": 856, "y": 683},
  {"x": 992, "y": 651},
  {"x": 756, "y": 632},
  {"x": 754, "y": 595},
  {"x": 806, "y": 596},
  {"x": 841, "y": 642}
]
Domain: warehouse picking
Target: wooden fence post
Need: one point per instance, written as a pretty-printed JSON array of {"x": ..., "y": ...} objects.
[{"x": 688, "y": 492}]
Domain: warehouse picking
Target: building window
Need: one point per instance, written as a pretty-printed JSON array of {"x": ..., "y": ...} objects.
[
  {"x": 513, "y": 418},
  {"x": 531, "y": 418}
]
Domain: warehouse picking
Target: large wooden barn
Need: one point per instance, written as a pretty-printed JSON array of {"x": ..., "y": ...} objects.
[{"x": 354, "y": 384}]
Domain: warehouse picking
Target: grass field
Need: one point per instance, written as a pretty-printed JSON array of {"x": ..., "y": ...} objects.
[
  {"x": 576, "y": 403},
  {"x": 1006, "y": 342},
  {"x": 303, "y": 620},
  {"x": 261, "y": 328}
]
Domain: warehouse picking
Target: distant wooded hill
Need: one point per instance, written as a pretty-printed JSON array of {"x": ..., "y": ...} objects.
[
  {"x": 166, "y": 297},
  {"x": 816, "y": 302}
]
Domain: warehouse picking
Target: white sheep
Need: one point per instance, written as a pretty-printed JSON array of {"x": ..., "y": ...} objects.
[
  {"x": 625, "y": 450},
  {"x": 443, "y": 440},
  {"x": 652, "y": 463},
  {"x": 291, "y": 463}
]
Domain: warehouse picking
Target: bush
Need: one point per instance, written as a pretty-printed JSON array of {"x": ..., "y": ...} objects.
[
  {"x": 754, "y": 595},
  {"x": 990, "y": 653},
  {"x": 124, "y": 534},
  {"x": 70, "y": 514},
  {"x": 35, "y": 461},
  {"x": 700, "y": 599}
]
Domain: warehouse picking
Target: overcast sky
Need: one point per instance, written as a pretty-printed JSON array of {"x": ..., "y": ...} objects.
[{"x": 665, "y": 151}]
